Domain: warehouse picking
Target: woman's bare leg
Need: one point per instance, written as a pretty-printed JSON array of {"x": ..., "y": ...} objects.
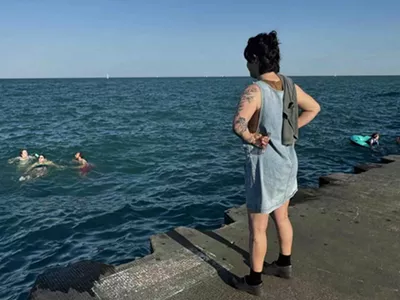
[
  {"x": 284, "y": 228},
  {"x": 258, "y": 224}
]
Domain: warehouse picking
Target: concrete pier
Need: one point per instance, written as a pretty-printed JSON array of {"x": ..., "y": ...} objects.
[{"x": 346, "y": 246}]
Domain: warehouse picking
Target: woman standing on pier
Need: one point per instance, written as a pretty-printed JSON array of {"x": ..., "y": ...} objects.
[{"x": 267, "y": 121}]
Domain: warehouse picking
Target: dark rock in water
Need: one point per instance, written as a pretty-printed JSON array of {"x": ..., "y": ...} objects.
[{"x": 72, "y": 282}]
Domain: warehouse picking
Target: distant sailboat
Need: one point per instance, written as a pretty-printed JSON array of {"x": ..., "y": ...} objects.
[{"x": 108, "y": 76}]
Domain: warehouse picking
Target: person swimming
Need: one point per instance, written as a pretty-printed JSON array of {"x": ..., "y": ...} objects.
[
  {"x": 374, "y": 140},
  {"x": 38, "y": 169},
  {"x": 80, "y": 159},
  {"x": 84, "y": 166},
  {"x": 23, "y": 158}
]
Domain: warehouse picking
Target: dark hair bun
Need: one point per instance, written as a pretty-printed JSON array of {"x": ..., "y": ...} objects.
[
  {"x": 273, "y": 36},
  {"x": 264, "y": 48}
]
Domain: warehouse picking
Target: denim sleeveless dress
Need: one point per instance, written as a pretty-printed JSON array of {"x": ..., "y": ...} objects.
[{"x": 271, "y": 173}]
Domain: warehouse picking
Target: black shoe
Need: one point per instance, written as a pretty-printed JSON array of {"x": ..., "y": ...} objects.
[
  {"x": 242, "y": 285},
  {"x": 275, "y": 270}
]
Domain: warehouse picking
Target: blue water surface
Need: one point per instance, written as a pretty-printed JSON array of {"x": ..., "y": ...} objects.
[{"x": 164, "y": 156}]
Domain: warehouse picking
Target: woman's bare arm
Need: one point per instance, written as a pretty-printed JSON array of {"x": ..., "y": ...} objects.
[
  {"x": 249, "y": 103},
  {"x": 310, "y": 107},
  {"x": 50, "y": 163},
  {"x": 13, "y": 160},
  {"x": 31, "y": 167}
]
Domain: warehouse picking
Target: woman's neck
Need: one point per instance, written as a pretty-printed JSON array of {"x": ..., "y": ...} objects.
[{"x": 271, "y": 76}]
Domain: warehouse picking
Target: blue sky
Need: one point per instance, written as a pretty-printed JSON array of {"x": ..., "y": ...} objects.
[{"x": 42, "y": 38}]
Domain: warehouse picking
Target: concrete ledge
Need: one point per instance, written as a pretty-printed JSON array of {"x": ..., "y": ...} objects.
[
  {"x": 346, "y": 236},
  {"x": 365, "y": 167},
  {"x": 337, "y": 178}
]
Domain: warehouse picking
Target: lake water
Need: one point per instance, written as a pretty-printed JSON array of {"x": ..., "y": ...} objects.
[{"x": 164, "y": 156}]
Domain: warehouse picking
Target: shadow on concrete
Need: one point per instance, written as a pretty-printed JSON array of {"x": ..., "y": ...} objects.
[
  {"x": 223, "y": 273},
  {"x": 233, "y": 246}
]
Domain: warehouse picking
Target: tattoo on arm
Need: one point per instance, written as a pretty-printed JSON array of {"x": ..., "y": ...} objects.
[
  {"x": 240, "y": 125},
  {"x": 241, "y": 130},
  {"x": 248, "y": 96}
]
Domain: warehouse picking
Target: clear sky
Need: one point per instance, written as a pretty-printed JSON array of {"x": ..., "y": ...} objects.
[{"x": 127, "y": 38}]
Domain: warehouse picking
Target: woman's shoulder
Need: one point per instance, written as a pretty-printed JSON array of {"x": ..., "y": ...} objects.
[
  {"x": 251, "y": 91},
  {"x": 253, "y": 87}
]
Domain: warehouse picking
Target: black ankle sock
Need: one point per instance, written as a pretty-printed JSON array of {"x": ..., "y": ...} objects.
[
  {"x": 283, "y": 260},
  {"x": 254, "y": 278}
]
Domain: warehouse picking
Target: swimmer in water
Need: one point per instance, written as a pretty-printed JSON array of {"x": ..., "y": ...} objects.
[
  {"x": 42, "y": 161},
  {"x": 398, "y": 140},
  {"x": 374, "y": 140},
  {"x": 23, "y": 158},
  {"x": 79, "y": 158},
  {"x": 84, "y": 166},
  {"x": 38, "y": 169}
]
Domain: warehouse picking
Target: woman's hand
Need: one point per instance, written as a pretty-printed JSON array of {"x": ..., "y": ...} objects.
[{"x": 259, "y": 140}]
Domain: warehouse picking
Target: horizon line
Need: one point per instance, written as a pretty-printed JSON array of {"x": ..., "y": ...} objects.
[{"x": 196, "y": 76}]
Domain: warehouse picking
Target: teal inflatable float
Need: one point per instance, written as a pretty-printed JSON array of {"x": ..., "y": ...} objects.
[{"x": 360, "y": 140}]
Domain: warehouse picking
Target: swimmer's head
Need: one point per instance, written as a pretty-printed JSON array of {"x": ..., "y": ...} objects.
[
  {"x": 375, "y": 136},
  {"x": 24, "y": 154},
  {"x": 78, "y": 156},
  {"x": 262, "y": 54},
  {"x": 41, "y": 159}
]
